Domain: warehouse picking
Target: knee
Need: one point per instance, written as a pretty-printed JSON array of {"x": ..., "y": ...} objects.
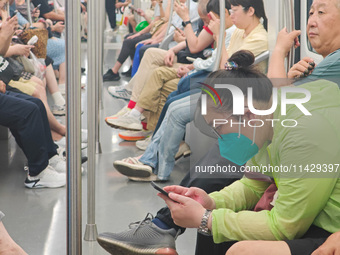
[
  {"x": 240, "y": 248},
  {"x": 38, "y": 92}
]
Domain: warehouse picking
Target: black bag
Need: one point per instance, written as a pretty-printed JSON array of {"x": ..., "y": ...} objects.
[
  {"x": 183, "y": 54},
  {"x": 17, "y": 68},
  {"x": 6, "y": 72}
]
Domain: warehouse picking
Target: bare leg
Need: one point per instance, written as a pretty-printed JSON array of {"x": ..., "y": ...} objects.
[
  {"x": 51, "y": 80},
  {"x": 40, "y": 93},
  {"x": 259, "y": 248},
  {"x": 116, "y": 67},
  {"x": 7, "y": 245},
  {"x": 140, "y": 109},
  {"x": 62, "y": 73}
]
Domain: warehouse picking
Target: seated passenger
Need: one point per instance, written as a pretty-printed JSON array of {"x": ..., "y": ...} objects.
[
  {"x": 133, "y": 240},
  {"x": 257, "y": 42},
  {"x": 323, "y": 33},
  {"x": 286, "y": 206},
  {"x": 156, "y": 30}
]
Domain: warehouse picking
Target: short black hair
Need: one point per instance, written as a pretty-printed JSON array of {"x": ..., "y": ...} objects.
[{"x": 214, "y": 6}]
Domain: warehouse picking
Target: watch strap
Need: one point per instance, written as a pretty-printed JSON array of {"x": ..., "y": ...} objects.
[
  {"x": 203, "y": 228},
  {"x": 184, "y": 23}
]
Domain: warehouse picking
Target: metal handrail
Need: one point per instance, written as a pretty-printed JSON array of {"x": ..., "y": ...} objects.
[
  {"x": 170, "y": 17},
  {"x": 220, "y": 41},
  {"x": 290, "y": 21},
  {"x": 29, "y": 14},
  {"x": 73, "y": 118}
]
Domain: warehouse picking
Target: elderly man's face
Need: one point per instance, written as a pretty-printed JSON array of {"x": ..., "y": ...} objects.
[{"x": 324, "y": 26}]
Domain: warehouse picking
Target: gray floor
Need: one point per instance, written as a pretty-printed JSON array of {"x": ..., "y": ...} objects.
[{"x": 36, "y": 219}]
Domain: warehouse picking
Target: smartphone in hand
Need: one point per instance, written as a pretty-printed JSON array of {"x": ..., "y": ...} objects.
[{"x": 158, "y": 188}]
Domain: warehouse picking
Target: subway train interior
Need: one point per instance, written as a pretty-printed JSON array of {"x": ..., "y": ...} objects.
[{"x": 97, "y": 198}]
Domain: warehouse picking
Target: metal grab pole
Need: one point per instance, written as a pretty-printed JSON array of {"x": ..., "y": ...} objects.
[
  {"x": 92, "y": 120},
  {"x": 289, "y": 11},
  {"x": 220, "y": 39},
  {"x": 28, "y": 2},
  {"x": 73, "y": 97},
  {"x": 98, "y": 59},
  {"x": 170, "y": 17}
]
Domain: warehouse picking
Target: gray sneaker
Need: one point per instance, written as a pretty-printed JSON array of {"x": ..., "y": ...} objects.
[{"x": 142, "y": 237}]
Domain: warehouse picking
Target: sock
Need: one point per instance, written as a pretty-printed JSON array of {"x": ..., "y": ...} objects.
[
  {"x": 135, "y": 113},
  {"x": 145, "y": 125},
  {"x": 160, "y": 223},
  {"x": 132, "y": 104},
  {"x": 58, "y": 99}
]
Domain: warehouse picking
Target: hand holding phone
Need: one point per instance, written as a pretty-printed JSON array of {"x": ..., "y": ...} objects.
[
  {"x": 158, "y": 188},
  {"x": 38, "y": 7},
  {"x": 15, "y": 13},
  {"x": 177, "y": 29}
]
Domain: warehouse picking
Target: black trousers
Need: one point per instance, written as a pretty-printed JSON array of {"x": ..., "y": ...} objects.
[
  {"x": 207, "y": 184},
  {"x": 129, "y": 47},
  {"x": 110, "y": 6},
  {"x": 26, "y": 118}
]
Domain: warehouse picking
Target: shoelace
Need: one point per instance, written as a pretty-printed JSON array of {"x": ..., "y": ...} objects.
[{"x": 148, "y": 218}]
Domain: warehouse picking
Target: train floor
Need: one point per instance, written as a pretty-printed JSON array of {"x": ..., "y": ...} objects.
[{"x": 36, "y": 218}]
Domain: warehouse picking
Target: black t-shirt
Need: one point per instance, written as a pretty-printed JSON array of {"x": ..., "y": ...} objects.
[{"x": 44, "y": 8}]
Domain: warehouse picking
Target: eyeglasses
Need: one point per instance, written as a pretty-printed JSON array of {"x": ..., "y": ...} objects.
[{"x": 231, "y": 11}]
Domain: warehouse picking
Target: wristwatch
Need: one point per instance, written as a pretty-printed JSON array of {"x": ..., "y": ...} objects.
[
  {"x": 203, "y": 228},
  {"x": 184, "y": 23}
]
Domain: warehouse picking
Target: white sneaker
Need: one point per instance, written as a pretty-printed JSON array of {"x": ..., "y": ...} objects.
[
  {"x": 48, "y": 178},
  {"x": 123, "y": 94},
  {"x": 58, "y": 163},
  {"x": 113, "y": 89},
  {"x": 122, "y": 112},
  {"x": 127, "y": 122},
  {"x": 58, "y": 110},
  {"x": 142, "y": 145}
]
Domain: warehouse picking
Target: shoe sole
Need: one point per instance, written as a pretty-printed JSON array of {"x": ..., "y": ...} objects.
[
  {"x": 42, "y": 186},
  {"x": 124, "y": 128},
  {"x": 116, "y": 248},
  {"x": 184, "y": 155},
  {"x": 111, "y": 80},
  {"x": 130, "y": 170},
  {"x": 132, "y": 138},
  {"x": 58, "y": 114}
]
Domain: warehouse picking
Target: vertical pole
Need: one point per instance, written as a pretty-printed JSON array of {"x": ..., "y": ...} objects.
[
  {"x": 93, "y": 48},
  {"x": 73, "y": 97},
  {"x": 29, "y": 11},
  {"x": 220, "y": 41}
]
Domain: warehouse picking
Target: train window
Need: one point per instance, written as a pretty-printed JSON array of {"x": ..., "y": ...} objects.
[{"x": 309, "y": 45}]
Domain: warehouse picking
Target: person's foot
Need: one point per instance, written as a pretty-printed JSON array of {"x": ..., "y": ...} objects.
[
  {"x": 111, "y": 76},
  {"x": 123, "y": 93},
  {"x": 132, "y": 167},
  {"x": 135, "y": 135},
  {"x": 128, "y": 72},
  {"x": 122, "y": 112},
  {"x": 152, "y": 178},
  {"x": 58, "y": 110},
  {"x": 142, "y": 237},
  {"x": 48, "y": 178},
  {"x": 127, "y": 122},
  {"x": 142, "y": 145},
  {"x": 183, "y": 150}
]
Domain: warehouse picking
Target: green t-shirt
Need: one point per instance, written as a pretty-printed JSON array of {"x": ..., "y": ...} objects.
[{"x": 304, "y": 198}]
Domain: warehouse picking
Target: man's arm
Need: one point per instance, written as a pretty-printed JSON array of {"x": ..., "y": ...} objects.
[
  {"x": 6, "y": 33},
  {"x": 54, "y": 16}
]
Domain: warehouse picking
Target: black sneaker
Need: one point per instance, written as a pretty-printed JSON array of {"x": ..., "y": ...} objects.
[
  {"x": 128, "y": 72},
  {"x": 111, "y": 76},
  {"x": 143, "y": 237}
]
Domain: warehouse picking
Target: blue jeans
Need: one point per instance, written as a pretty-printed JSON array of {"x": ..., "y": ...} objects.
[
  {"x": 160, "y": 154},
  {"x": 183, "y": 90}
]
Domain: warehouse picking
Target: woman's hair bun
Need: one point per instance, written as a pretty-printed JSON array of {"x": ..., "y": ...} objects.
[{"x": 243, "y": 58}]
